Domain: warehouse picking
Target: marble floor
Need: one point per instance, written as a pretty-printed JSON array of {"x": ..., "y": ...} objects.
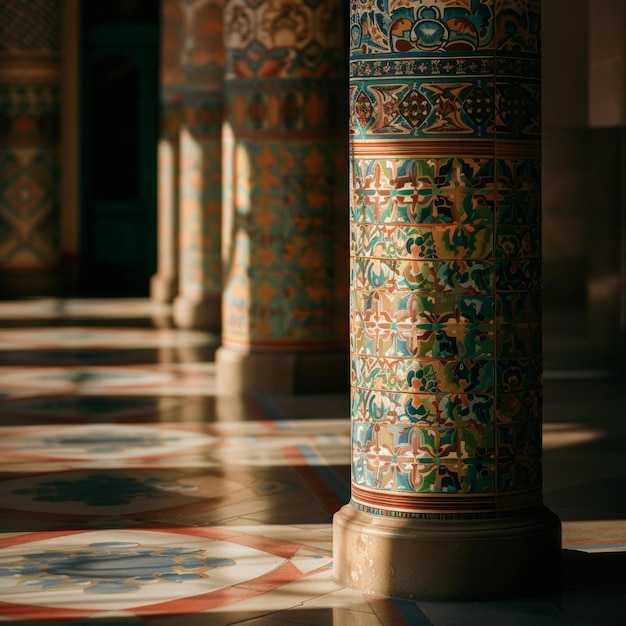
[{"x": 132, "y": 492}]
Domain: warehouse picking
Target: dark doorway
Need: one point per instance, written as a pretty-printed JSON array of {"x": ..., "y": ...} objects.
[{"x": 119, "y": 126}]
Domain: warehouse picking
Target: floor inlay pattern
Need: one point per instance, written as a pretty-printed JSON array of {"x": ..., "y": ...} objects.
[{"x": 132, "y": 492}]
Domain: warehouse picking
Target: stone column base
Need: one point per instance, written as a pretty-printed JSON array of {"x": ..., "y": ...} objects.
[
  {"x": 240, "y": 371},
  {"x": 163, "y": 288},
  {"x": 201, "y": 314},
  {"x": 464, "y": 560}
]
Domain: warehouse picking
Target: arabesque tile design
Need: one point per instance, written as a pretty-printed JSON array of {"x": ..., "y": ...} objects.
[
  {"x": 29, "y": 108},
  {"x": 445, "y": 254},
  {"x": 285, "y": 163}
]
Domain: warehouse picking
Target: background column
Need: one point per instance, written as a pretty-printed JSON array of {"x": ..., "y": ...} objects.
[
  {"x": 198, "y": 304},
  {"x": 285, "y": 180},
  {"x": 29, "y": 150},
  {"x": 164, "y": 284},
  {"x": 446, "y": 304}
]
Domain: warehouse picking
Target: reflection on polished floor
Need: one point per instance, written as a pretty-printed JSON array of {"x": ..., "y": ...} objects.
[{"x": 132, "y": 492}]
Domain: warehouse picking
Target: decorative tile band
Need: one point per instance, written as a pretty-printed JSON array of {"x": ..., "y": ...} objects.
[
  {"x": 269, "y": 39},
  {"x": 457, "y": 28},
  {"x": 472, "y": 65},
  {"x": 448, "y": 410},
  {"x": 293, "y": 105},
  {"x": 425, "y": 409},
  {"x": 445, "y": 247},
  {"x": 445, "y": 242},
  {"x": 430, "y": 507},
  {"x": 445, "y": 147},
  {"x": 446, "y": 375},
  {"x": 29, "y": 114},
  {"x": 445, "y": 108},
  {"x": 462, "y": 191},
  {"x": 202, "y": 115},
  {"x": 429, "y": 277},
  {"x": 170, "y": 47},
  {"x": 405, "y": 505}
]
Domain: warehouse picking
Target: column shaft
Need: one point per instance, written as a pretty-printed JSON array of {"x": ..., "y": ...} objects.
[
  {"x": 285, "y": 175},
  {"x": 29, "y": 150},
  {"x": 198, "y": 304},
  {"x": 446, "y": 303},
  {"x": 164, "y": 284}
]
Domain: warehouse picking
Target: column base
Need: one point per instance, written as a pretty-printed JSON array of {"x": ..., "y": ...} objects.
[
  {"x": 462, "y": 560},
  {"x": 163, "y": 288},
  {"x": 201, "y": 314},
  {"x": 239, "y": 371}
]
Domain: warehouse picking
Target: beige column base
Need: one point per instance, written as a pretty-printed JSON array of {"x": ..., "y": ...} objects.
[
  {"x": 240, "y": 371},
  {"x": 163, "y": 287},
  {"x": 201, "y": 314},
  {"x": 463, "y": 560}
]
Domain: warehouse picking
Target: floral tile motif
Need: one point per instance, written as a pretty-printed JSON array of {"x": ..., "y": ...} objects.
[
  {"x": 423, "y": 409},
  {"x": 422, "y": 191},
  {"x": 518, "y": 182},
  {"x": 423, "y": 460},
  {"x": 87, "y": 496},
  {"x": 142, "y": 571},
  {"x": 415, "y": 29},
  {"x": 438, "y": 376},
  {"x": 519, "y": 406},
  {"x": 519, "y": 456}
]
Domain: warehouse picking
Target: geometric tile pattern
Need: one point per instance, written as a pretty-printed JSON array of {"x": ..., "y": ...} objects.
[
  {"x": 29, "y": 113},
  {"x": 445, "y": 248},
  {"x": 285, "y": 163},
  {"x": 28, "y": 184},
  {"x": 32, "y": 25}
]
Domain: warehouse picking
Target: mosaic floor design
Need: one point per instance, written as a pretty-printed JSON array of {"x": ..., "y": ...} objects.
[{"x": 132, "y": 492}]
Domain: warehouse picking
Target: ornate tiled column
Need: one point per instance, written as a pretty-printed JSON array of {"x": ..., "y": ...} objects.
[
  {"x": 164, "y": 284},
  {"x": 446, "y": 304},
  {"x": 29, "y": 134},
  {"x": 198, "y": 304},
  {"x": 285, "y": 183}
]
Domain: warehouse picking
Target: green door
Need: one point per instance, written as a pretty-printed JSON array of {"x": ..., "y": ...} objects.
[{"x": 119, "y": 147}]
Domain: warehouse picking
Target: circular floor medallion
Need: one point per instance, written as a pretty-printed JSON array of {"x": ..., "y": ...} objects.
[{"x": 122, "y": 570}]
